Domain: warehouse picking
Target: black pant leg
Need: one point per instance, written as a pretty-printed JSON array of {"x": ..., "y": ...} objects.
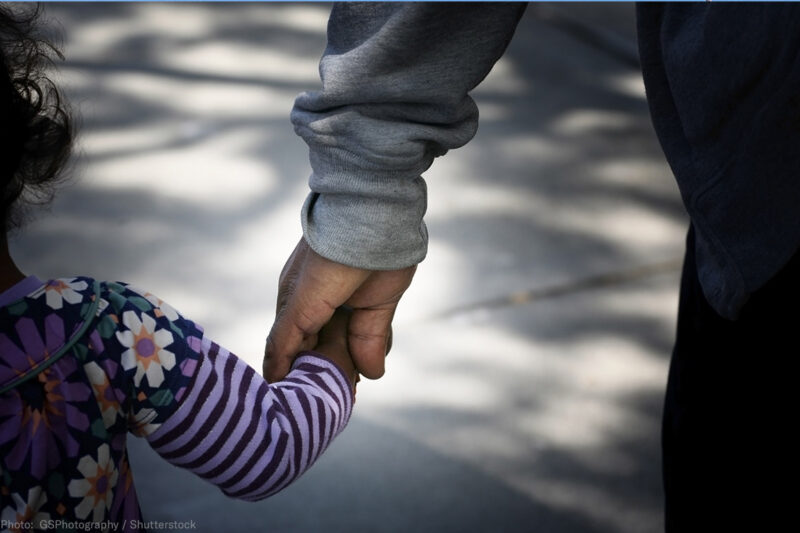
[{"x": 730, "y": 409}]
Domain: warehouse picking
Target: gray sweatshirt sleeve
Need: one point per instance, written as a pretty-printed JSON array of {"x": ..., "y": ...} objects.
[{"x": 395, "y": 84}]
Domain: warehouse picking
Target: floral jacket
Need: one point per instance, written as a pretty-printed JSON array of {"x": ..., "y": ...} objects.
[{"x": 83, "y": 363}]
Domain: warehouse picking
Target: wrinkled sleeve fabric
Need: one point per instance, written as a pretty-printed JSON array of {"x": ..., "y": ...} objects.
[{"x": 395, "y": 94}]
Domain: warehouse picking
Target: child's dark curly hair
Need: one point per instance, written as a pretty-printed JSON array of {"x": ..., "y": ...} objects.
[{"x": 35, "y": 125}]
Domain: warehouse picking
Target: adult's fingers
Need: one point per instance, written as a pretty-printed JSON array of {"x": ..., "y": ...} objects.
[
  {"x": 311, "y": 289},
  {"x": 370, "y": 328},
  {"x": 368, "y": 337}
]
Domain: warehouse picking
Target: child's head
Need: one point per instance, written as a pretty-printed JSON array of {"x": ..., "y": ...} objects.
[{"x": 35, "y": 126}]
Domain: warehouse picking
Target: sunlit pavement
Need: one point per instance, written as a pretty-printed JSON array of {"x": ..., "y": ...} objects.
[{"x": 525, "y": 387}]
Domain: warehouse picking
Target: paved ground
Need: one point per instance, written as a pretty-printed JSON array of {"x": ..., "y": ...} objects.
[{"x": 525, "y": 387}]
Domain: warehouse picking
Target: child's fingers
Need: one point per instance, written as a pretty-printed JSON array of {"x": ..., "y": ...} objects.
[{"x": 335, "y": 331}]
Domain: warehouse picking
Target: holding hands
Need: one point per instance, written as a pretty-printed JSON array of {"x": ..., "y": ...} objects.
[
  {"x": 332, "y": 343},
  {"x": 311, "y": 288}
]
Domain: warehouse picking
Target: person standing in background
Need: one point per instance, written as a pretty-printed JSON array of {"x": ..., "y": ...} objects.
[{"x": 722, "y": 84}]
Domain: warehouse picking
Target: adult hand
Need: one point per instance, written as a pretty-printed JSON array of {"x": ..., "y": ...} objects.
[{"x": 310, "y": 289}]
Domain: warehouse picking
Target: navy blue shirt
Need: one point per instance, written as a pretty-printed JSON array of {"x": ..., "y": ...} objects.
[{"x": 723, "y": 85}]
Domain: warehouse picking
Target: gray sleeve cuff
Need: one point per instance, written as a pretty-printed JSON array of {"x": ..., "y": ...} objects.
[
  {"x": 369, "y": 231},
  {"x": 395, "y": 94}
]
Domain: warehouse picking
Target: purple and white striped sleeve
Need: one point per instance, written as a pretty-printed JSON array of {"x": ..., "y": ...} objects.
[{"x": 246, "y": 436}]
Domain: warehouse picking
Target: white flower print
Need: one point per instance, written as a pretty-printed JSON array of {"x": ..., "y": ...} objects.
[
  {"x": 26, "y": 511},
  {"x": 146, "y": 348},
  {"x": 103, "y": 392},
  {"x": 58, "y": 291},
  {"x": 162, "y": 308},
  {"x": 97, "y": 485}
]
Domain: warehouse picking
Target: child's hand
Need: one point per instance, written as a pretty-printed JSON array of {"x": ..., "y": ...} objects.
[{"x": 332, "y": 343}]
